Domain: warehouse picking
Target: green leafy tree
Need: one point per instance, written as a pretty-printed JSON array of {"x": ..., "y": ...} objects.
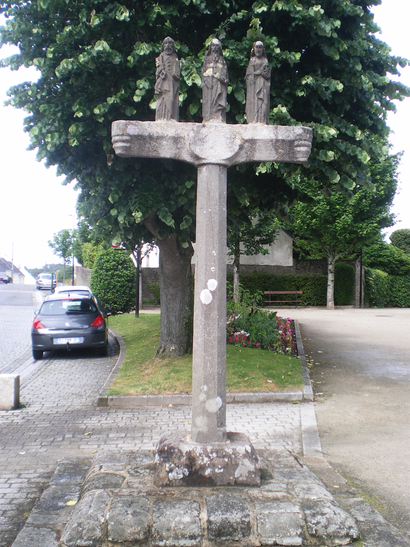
[
  {"x": 334, "y": 227},
  {"x": 401, "y": 239},
  {"x": 62, "y": 245},
  {"x": 86, "y": 245},
  {"x": 96, "y": 65}
]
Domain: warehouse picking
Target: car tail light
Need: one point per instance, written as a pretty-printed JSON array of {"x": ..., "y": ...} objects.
[
  {"x": 98, "y": 321},
  {"x": 37, "y": 324}
]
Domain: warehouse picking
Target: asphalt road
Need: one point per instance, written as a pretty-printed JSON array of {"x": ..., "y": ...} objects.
[
  {"x": 16, "y": 295},
  {"x": 361, "y": 378}
]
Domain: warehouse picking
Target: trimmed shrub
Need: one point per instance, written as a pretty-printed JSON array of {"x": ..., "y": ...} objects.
[
  {"x": 113, "y": 280},
  {"x": 344, "y": 283},
  {"x": 400, "y": 291},
  {"x": 387, "y": 258},
  {"x": 376, "y": 288}
]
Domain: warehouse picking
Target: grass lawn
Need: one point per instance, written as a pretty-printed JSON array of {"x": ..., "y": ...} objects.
[{"x": 247, "y": 369}]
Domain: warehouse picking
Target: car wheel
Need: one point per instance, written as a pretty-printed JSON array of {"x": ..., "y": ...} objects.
[{"x": 37, "y": 354}]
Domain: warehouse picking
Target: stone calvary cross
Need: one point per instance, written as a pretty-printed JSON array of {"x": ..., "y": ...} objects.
[{"x": 212, "y": 147}]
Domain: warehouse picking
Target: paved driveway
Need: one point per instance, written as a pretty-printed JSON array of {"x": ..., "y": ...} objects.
[{"x": 362, "y": 385}]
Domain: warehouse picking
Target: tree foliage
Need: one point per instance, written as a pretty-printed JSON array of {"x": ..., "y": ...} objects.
[
  {"x": 401, "y": 239},
  {"x": 334, "y": 227},
  {"x": 62, "y": 245},
  {"x": 386, "y": 257},
  {"x": 96, "y": 61}
]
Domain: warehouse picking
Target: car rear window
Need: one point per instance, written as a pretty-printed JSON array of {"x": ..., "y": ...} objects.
[
  {"x": 74, "y": 293},
  {"x": 68, "y": 305}
]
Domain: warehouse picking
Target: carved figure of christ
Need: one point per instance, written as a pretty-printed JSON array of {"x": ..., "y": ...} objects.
[{"x": 212, "y": 148}]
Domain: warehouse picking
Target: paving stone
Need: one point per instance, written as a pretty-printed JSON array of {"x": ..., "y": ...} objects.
[
  {"x": 102, "y": 481},
  {"x": 128, "y": 519},
  {"x": 84, "y": 529},
  {"x": 36, "y": 537},
  {"x": 327, "y": 520},
  {"x": 228, "y": 517},
  {"x": 279, "y": 523},
  {"x": 176, "y": 523}
]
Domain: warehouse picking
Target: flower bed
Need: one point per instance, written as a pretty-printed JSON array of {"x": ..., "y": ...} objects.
[{"x": 263, "y": 330}]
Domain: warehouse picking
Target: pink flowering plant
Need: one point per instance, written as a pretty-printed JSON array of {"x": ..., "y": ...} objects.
[{"x": 248, "y": 326}]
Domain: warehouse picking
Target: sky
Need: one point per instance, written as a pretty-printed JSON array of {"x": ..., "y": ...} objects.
[{"x": 34, "y": 203}]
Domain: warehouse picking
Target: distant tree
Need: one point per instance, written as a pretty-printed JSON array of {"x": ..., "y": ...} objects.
[
  {"x": 333, "y": 227},
  {"x": 401, "y": 239},
  {"x": 62, "y": 245}
]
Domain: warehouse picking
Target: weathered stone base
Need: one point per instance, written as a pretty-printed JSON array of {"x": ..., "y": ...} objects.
[
  {"x": 181, "y": 462},
  {"x": 120, "y": 506}
]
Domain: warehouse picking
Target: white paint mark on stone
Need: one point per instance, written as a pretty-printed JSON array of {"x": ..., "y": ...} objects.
[
  {"x": 213, "y": 405},
  {"x": 213, "y": 269},
  {"x": 212, "y": 284},
  {"x": 206, "y": 297}
]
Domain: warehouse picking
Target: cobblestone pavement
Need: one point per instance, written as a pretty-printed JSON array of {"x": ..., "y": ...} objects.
[
  {"x": 15, "y": 343},
  {"x": 60, "y": 420}
]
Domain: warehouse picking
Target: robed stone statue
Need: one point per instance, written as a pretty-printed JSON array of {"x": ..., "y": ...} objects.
[
  {"x": 214, "y": 84},
  {"x": 167, "y": 77},
  {"x": 257, "y": 78}
]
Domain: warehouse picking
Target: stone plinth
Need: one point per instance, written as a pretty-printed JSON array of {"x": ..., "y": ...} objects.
[
  {"x": 291, "y": 507},
  {"x": 181, "y": 462},
  {"x": 9, "y": 391}
]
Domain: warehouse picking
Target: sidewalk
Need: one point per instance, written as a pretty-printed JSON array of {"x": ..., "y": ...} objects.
[{"x": 61, "y": 428}]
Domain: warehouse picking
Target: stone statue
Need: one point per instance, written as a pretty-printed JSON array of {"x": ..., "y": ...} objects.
[
  {"x": 167, "y": 82},
  {"x": 258, "y": 86},
  {"x": 214, "y": 84}
]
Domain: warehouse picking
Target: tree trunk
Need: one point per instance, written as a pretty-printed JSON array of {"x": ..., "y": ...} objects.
[
  {"x": 331, "y": 261},
  {"x": 236, "y": 261},
  {"x": 176, "y": 289}
]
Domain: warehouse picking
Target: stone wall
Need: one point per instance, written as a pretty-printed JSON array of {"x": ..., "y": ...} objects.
[{"x": 82, "y": 276}]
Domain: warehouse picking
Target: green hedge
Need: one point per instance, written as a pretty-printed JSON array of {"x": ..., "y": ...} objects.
[
  {"x": 113, "y": 280},
  {"x": 400, "y": 291},
  {"x": 314, "y": 286},
  {"x": 383, "y": 290}
]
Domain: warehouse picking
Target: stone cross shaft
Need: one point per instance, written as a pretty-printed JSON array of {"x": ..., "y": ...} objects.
[{"x": 212, "y": 148}]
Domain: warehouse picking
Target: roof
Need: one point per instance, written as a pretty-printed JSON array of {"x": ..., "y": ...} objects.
[{"x": 7, "y": 265}]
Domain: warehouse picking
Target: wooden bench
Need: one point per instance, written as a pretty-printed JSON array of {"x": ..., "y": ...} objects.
[{"x": 274, "y": 301}]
